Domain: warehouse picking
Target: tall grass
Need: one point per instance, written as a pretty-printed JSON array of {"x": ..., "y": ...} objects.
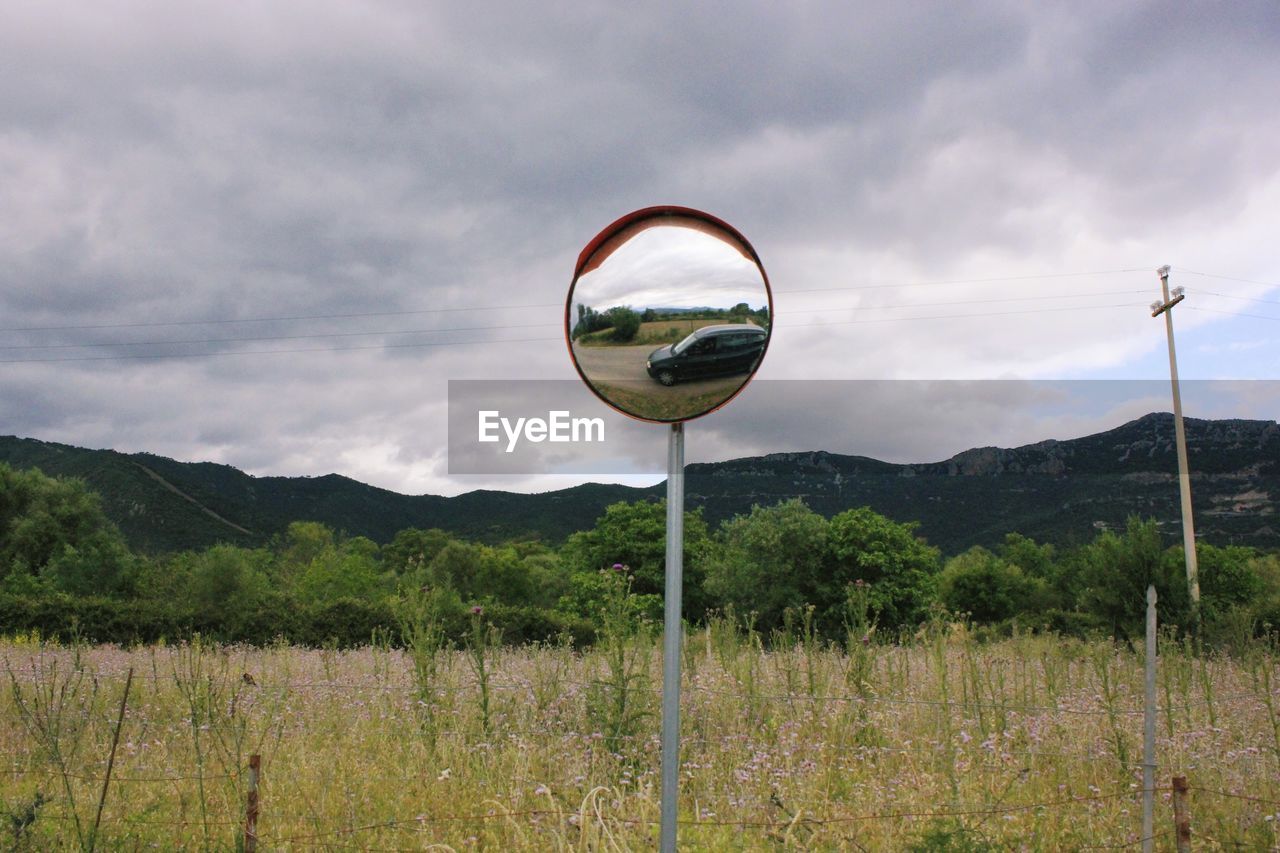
[{"x": 942, "y": 740}]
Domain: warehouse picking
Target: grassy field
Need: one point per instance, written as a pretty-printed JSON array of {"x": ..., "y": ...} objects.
[
  {"x": 680, "y": 401},
  {"x": 941, "y": 744}
]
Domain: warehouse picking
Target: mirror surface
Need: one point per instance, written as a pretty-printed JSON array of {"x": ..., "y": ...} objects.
[{"x": 669, "y": 314}]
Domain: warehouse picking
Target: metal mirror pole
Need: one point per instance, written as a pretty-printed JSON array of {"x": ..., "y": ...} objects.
[{"x": 671, "y": 626}]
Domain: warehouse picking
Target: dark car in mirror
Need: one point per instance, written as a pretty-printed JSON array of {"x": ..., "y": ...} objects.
[{"x": 709, "y": 351}]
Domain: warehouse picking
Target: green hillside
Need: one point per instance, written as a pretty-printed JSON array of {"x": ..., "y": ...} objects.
[{"x": 1055, "y": 491}]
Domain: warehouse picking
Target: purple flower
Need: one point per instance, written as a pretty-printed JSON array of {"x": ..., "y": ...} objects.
[
  {"x": 618, "y": 567},
  {"x": 477, "y": 610}
]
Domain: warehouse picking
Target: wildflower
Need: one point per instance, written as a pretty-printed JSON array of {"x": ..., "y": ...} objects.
[{"x": 477, "y": 610}]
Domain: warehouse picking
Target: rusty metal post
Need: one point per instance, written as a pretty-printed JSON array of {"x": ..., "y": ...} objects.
[
  {"x": 1181, "y": 814},
  {"x": 251, "y": 806}
]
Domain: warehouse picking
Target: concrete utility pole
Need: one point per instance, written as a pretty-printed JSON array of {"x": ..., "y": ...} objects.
[{"x": 1180, "y": 435}]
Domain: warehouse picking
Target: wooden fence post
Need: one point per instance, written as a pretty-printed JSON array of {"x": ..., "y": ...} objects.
[
  {"x": 251, "y": 807},
  {"x": 1181, "y": 814}
]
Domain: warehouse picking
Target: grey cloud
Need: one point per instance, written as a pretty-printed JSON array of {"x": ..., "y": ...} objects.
[{"x": 208, "y": 161}]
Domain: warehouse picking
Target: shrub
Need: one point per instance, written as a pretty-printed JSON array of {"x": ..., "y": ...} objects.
[{"x": 625, "y": 323}]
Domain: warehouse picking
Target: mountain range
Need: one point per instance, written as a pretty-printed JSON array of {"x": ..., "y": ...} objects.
[{"x": 1062, "y": 492}]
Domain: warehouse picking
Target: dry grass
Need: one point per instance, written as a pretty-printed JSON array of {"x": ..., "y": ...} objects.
[{"x": 803, "y": 747}]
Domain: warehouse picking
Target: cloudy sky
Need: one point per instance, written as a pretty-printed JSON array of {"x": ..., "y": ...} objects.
[
  {"x": 268, "y": 234},
  {"x": 671, "y": 266}
]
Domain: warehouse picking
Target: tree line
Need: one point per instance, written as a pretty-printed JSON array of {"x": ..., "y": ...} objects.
[
  {"x": 625, "y": 321},
  {"x": 66, "y": 570}
]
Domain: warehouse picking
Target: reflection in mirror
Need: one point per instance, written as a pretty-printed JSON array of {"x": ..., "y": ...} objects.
[{"x": 669, "y": 314}]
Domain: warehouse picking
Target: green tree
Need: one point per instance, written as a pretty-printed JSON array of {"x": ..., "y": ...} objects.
[
  {"x": 635, "y": 535},
  {"x": 1265, "y": 609},
  {"x": 224, "y": 585},
  {"x": 1052, "y": 585},
  {"x": 346, "y": 570},
  {"x": 1035, "y": 560},
  {"x": 900, "y": 567},
  {"x": 987, "y": 587},
  {"x": 1115, "y": 570},
  {"x": 625, "y": 322},
  {"x": 543, "y": 574},
  {"x": 1230, "y": 584},
  {"x": 483, "y": 573},
  {"x": 589, "y": 320},
  {"x": 413, "y": 547},
  {"x": 302, "y": 543},
  {"x": 54, "y": 529},
  {"x": 769, "y": 560}
]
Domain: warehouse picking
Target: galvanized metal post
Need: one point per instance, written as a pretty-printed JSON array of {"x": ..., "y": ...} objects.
[
  {"x": 671, "y": 627},
  {"x": 1149, "y": 731}
]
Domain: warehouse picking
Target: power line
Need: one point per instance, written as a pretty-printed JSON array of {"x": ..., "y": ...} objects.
[
  {"x": 1230, "y": 313},
  {"x": 425, "y": 311},
  {"x": 222, "y": 321},
  {"x": 962, "y": 302},
  {"x": 1229, "y": 278},
  {"x": 415, "y": 312},
  {"x": 275, "y": 337},
  {"x": 1240, "y": 298},
  {"x": 964, "y": 316},
  {"x": 938, "y": 282},
  {"x": 271, "y": 351},
  {"x": 445, "y": 330},
  {"x": 139, "y": 356},
  {"x": 264, "y": 338}
]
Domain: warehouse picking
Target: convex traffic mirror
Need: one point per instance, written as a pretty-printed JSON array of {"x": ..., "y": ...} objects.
[{"x": 669, "y": 314}]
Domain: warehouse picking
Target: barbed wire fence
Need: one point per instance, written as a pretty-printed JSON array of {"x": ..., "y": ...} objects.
[
  {"x": 797, "y": 818},
  {"x": 590, "y": 811}
]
